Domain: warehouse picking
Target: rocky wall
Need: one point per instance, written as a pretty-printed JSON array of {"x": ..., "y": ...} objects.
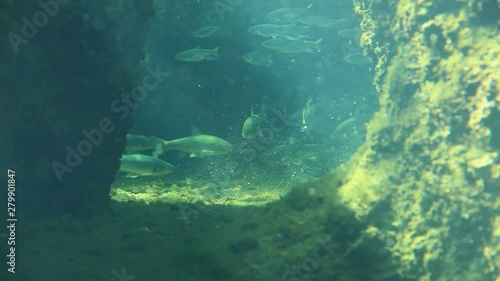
[
  {"x": 63, "y": 64},
  {"x": 431, "y": 157},
  {"x": 419, "y": 200}
]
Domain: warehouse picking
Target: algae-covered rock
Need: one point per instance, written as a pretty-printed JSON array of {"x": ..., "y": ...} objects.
[
  {"x": 418, "y": 201},
  {"x": 432, "y": 150}
]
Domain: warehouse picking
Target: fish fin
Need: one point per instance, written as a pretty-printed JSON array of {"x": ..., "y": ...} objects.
[
  {"x": 309, "y": 7},
  {"x": 316, "y": 44},
  {"x": 195, "y": 131},
  {"x": 158, "y": 150},
  {"x": 269, "y": 60},
  {"x": 308, "y": 105},
  {"x": 129, "y": 176},
  {"x": 192, "y": 155},
  {"x": 214, "y": 54},
  {"x": 304, "y": 127}
]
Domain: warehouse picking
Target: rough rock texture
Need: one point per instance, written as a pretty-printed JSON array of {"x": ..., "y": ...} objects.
[
  {"x": 70, "y": 65},
  {"x": 419, "y": 200},
  {"x": 431, "y": 157}
]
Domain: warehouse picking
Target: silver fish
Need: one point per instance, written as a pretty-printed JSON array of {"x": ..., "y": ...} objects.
[
  {"x": 353, "y": 33},
  {"x": 143, "y": 165},
  {"x": 198, "y": 145},
  {"x": 292, "y": 45},
  {"x": 138, "y": 143},
  {"x": 205, "y": 32},
  {"x": 257, "y": 58},
  {"x": 357, "y": 58},
  {"x": 198, "y": 54},
  {"x": 288, "y": 14},
  {"x": 252, "y": 127},
  {"x": 275, "y": 30}
]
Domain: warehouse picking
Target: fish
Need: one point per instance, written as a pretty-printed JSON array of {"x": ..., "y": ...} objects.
[
  {"x": 205, "y": 32},
  {"x": 288, "y": 14},
  {"x": 138, "y": 143},
  {"x": 198, "y": 54},
  {"x": 357, "y": 58},
  {"x": 136, "y": 165},
  {"x": 197, "y": 145},
  {"x": 353, "y": 33},
  {"x": 257, "y": 58},
  {"x": 291, "y": 45},
  {"x": 351, "y": 128},
  {"x": 307, "y": 111},
  {"x": 301, "y": 117},
  {"x": 275, "y": 30},
  {"x": 252, "y": 127},
  {"x": 323, "y": 22}
]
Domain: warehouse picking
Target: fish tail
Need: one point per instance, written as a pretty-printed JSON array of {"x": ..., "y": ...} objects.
[
  {"x": 317, "y": 44},
  {"x": 159, "y": 148},
  {"x": 269, "y": 59},
  {"x": 216, "y": 52}
]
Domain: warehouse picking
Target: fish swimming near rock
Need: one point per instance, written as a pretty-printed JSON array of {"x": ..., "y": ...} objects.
[
  {"x": 252, "y": 127},
  {"x": 275, "y": 30},
  {"x": 291, "y": 45},
  {"x": 138, "y": 143},
  {"x": 353, "y": 33},
  {"x": 136, "y": 165},
  {"x": 257, "y": 58},
  {"x": 206, "y": 31},
  {"x": 353, "y": 127},
  {"x": 300, "y": 118},
  {"x": 198, "y": 55},
  {"x": 197, "y": 145},
  {"x": 357, "y": 58}
]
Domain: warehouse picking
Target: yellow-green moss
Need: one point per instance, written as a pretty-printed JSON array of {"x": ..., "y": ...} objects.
[{"x": 439, "y": 78}]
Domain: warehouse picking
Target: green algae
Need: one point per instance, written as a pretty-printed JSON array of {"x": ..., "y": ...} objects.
[{"x": 439, "y": 87}]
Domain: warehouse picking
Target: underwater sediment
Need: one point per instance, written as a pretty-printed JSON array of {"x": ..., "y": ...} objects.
[{"x": 418, "y": 201}]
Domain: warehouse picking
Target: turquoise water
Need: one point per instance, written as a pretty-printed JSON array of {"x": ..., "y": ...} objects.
[
  {"x": 205, "y": 140},
  {"x": 317, "y": 103}
]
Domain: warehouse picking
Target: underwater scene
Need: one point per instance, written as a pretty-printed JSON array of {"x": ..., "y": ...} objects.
[
  {"x": 254, "y": 100},
  {"x": 293, "y": 140}
]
